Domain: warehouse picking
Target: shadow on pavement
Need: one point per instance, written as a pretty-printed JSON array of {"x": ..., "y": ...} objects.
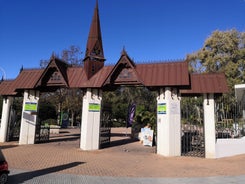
[
  {"x": 120, "y": 142},
  {"x": 8, "y": 146},
  {"x": 22, "y": 177}
]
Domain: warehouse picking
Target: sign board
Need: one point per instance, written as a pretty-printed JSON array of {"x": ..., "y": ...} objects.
[
  {"x": 31, "y": 106},
  {"x": 94, "y": 107},
  {"x": 161, "y": 108},
  {"x": 147, "y": 136}
]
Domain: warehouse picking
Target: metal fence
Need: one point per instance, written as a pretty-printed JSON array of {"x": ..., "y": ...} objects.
[
  {"x": 105, "y": 130},
  {"x": 230, "y": 122},
  {"x": 42, "y": 134},
  {"x": 192, "y": 139}
]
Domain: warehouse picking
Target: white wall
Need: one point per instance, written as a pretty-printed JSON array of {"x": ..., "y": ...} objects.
[{"x": 230, "y": 147}]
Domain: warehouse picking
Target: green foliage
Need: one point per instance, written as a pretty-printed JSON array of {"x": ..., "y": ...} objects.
[
  {"x": 145, "y": 117},
  {"x": 48, "y": 122},
  {"x": 191, "y": 110},
  {"x": 46, "y": 111},
  {"x": 122, "y": 97},
  {"x": 223, "y": 51}
]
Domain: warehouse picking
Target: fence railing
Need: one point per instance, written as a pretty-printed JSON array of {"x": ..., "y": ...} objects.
[{"x": 228, "y": 128}]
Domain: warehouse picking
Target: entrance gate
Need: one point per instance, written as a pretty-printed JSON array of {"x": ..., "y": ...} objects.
[
  {"x": 42, "y": 134},
  {"x": 105, "y": 130},
  {"x": 192, "y": 126},
  {"x": 13, "y": 125}
]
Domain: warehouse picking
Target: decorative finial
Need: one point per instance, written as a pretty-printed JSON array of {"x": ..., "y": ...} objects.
[
  {"x": 21, "y": 69},
  {"x": 124, "y": 52}
]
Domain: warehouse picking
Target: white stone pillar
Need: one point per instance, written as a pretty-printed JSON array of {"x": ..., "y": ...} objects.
[
  {"x": 90, "y": 130},
  {"x": 209, "y": 125},
  {"x": 168, "y": 123},
  {"x": 29, "y": 117},
  {"x": 7, "y": 102}
]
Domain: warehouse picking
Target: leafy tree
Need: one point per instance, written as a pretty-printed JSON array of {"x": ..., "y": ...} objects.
[
  {"x": 121, "y": 98},
  {"x": 46, "y": 111},
  {"x": 223, "y": 51}
]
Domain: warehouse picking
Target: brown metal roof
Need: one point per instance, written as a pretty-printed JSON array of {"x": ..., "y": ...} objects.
[
  {"x": 76, "y": 76},
  {"x": 207, "y": 83},
  {"x": 99, "y": 78},
  {"x": 6, "y": 88},
  {"x": 27, "y": 78},
  {"x": 151, "y": 75},
  {"x": 164, "y": 74},
  {"x": 78, "y": 79}
]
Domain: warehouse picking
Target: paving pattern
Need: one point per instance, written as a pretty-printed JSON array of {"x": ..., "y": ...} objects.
[{"x": 126, "y": 161}]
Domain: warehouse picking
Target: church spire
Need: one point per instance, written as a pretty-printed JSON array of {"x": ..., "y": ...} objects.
[{"x": 94, "y": 56}]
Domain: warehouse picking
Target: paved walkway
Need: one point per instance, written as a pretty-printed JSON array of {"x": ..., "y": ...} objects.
[{"x": 62, "y": 161}]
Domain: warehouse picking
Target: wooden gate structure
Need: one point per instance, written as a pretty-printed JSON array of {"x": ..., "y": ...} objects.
[{"x": 169, "y": 79}]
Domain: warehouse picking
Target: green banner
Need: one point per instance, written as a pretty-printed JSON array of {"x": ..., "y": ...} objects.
[
  {"x": 161, "y": 108},
  {"x": 94, "y": 107},
  {"x": 31, "y": 106}
]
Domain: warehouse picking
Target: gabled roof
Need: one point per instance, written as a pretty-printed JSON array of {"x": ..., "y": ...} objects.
[
  {"x": 55, "y": 74},
  {"x": 206, "y": 83},
  {"x": 123, "y": 72}
]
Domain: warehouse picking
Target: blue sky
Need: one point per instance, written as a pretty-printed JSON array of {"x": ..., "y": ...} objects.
[{"x": 156, "y": 30}]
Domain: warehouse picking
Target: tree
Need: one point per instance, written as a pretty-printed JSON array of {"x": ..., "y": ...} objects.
[
  {"x": 120, "y": 99},
  {"x": 223, "y": 51},
  {"x": 73, "y": 55}
]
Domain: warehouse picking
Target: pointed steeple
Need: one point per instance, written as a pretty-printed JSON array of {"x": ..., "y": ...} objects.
[{"x": 94, "y": 56}]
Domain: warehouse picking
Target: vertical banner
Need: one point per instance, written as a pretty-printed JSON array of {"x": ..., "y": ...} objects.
[{"x": 131, "y": 114}]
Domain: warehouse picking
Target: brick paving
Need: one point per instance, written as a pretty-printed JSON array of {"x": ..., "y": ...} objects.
[{"x": 124, "y": 158}]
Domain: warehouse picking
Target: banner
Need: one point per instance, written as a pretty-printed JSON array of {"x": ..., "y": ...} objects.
[
  {"x": 131, "y": 113},
  {"x": 147, "y": 136},
  {"x": 30, "y": 106},
  {"x": 161, "y": 108},
  {"x": 94, "y": 107}
]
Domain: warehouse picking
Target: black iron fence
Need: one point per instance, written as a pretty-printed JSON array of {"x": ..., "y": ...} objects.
[
  {"x": 42, "y": 134},
  {"x": 192, "y": 138},
  {"x": 105, "y": 130},
  {"x": 230, "y": 122}
]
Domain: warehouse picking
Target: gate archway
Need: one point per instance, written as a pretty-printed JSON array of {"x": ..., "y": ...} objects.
[{"x": 169, "y": 79}]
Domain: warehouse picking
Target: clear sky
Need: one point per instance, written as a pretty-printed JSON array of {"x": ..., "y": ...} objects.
[{"x": 150, "y": 30}]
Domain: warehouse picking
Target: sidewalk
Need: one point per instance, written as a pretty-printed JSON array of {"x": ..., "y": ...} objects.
[{"x": 128, "y": 161}]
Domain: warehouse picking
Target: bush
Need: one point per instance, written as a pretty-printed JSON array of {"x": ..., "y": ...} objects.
[{"x": 49, "y": 122}]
